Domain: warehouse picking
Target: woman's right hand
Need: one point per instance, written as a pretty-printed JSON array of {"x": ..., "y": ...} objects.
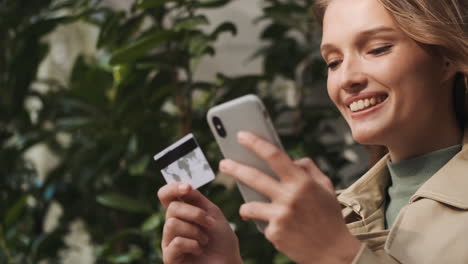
[{"x": 196, "y": 230}]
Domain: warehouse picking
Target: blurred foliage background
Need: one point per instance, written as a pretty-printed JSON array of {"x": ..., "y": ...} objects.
[{"x": 125, "y": 102}]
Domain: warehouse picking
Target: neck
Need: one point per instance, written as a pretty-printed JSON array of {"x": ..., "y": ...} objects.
[
  {"x": 439, "y": 129},
  {"x": 438, "y": 136}
]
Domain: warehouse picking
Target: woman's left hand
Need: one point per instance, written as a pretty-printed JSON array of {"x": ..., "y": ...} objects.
[{"x": 304, "y": 216}]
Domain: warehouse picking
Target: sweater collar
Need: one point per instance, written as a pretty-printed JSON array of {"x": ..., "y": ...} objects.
[{"x": 412, "y": 173}]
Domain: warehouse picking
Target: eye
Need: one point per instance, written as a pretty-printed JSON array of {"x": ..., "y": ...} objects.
[
  {"x": 332, "y": 65},
  {"x": 380, "y": 50}
]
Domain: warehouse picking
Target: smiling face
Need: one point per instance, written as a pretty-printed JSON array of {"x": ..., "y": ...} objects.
[{"x": 388, "y": 87}]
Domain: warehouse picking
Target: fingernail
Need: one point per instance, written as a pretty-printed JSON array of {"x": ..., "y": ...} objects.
[
  {"x": 243, "y": 137},
  {"x": 225, "y": 165},
  {"x": 184, "y": 187}
]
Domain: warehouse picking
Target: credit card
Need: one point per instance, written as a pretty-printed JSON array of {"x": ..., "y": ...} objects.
[{"x": 184, "y": 161}]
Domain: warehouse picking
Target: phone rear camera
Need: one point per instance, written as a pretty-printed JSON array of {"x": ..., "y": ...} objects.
[{"x": 219, "y": 126}]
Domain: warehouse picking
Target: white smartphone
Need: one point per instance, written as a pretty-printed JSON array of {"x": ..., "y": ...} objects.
[{"x": 246, "y": 113}]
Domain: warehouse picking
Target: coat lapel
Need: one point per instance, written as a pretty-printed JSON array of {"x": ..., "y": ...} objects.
[
  {"x": 450, "y": 184},
  {"x": 363, "y": 201},
  {"x": 432, "y": 227}
]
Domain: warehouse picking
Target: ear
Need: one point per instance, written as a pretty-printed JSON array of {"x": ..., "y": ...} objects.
[{"x": 449, "y": 70}]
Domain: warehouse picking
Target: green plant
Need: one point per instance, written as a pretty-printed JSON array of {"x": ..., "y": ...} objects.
[
  {"x": 122, "y": 105},
  {"x": 292, "y": 53},
  {"x": 23, "y": 202}
]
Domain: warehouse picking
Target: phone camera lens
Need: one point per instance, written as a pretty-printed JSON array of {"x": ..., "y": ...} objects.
[{"x": 219, "y": 126}]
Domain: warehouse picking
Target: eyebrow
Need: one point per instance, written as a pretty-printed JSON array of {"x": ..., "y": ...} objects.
[{"x": 362, "y": 34}]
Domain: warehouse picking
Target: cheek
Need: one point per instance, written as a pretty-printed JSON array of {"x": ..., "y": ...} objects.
[
  {"x": 407, "y": 71},
  {"x": 387, "y": 71},
  {"x": 333, "y": 90}
]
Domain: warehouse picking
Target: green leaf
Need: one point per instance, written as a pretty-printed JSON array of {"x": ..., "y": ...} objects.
[
  {"x": 120, "y": 73},
  {"x": 89, "y": 82},
  {"x": 139, "y": 166},
  {"x": 131, "y": 28},
  {"x": 211, "y": 4},
  {"x": 160, "y": 95},
  {"x": 46, "y": 245},
  {"x": 290, "y": 14},
  {"x": 287, "y": 8},
  {"x": 106, "y": 248},
  {"x": 46, "y": 26},
  {"x": 224, "y": 27},
  {"x": 72, "y": 123},
  {"x": 191, "y": 23},
  {"x": 153, "y": 222},
  {"x": 198, "y": 45},
  {"x": 139, "y": 48},
  {"x": 15, "y": 212},
  {"x": 274, "y": 31},
  {"x": 122, "y": 202},
  {"x": 134, "y": 254},
  {"x": 110, "y": 28},
  {"x": 149, "y": 65},
  {"x": 145, "y": 4}
]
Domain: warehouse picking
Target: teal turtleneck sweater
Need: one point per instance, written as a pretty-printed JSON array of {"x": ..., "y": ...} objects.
[{"x": 408, "y": 175}]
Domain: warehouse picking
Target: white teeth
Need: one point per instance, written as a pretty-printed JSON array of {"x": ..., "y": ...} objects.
[{"x": 362, "y": 104}]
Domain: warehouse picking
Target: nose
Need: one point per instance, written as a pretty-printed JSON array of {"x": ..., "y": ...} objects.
[{"x": 353, "y": 78}]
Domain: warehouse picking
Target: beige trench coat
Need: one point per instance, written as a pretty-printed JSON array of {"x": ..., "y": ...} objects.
[{"x": 431, "y": 228}]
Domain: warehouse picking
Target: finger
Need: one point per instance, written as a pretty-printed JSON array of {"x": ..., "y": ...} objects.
[
  {"x": 311, "y": 169},
  {"x": 184, "y": 192},
  {"x": 257, "y": 210},
  {"x": 254, "y": 178},
  {"x": 173, "y": 191},
  {"x": 307, "y": 164},
  {"x": 190, "y": 213},
  {"x": 175, "y": 227},
  {"x": 279, "y": 162},
  {"x": 180, "y": 247}
]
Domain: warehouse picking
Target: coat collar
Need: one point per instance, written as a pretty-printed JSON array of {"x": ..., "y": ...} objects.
[
  {"x": 448, "y": 186},
  {"x": 368, "y": 193}
]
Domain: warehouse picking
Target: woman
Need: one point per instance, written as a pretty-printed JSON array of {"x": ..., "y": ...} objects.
[{"x": 394, "y": 69}]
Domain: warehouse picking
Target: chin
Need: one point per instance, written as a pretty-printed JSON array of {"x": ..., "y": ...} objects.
[{"x": 367, "y": 136}]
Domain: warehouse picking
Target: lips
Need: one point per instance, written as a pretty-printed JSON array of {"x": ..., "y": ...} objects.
[{"x": 361, "y": 103}]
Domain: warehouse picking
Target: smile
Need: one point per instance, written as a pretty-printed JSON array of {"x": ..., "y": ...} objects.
[{"x": 365, "y": 103}]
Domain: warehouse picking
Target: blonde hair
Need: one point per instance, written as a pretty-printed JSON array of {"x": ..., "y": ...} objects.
[{"x": 441, "y": 25}]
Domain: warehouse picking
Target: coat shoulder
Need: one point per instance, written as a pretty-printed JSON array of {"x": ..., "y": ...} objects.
[{"x": 428, "y": 231}]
